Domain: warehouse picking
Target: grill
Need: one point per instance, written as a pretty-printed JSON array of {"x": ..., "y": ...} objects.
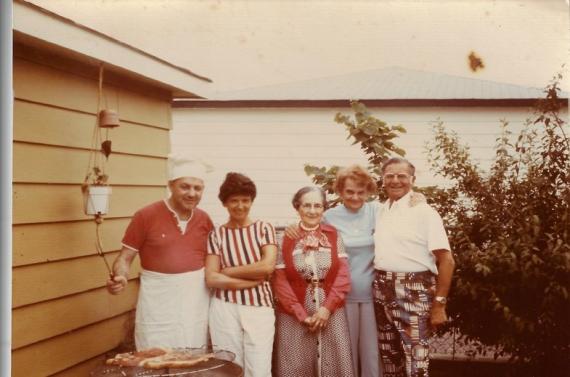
[{"x": 221, "y": 365}]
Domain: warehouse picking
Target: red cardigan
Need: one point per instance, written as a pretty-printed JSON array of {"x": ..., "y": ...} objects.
[{"x": 290, "y": 288}]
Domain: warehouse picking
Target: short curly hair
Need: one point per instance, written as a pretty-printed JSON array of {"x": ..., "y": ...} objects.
[
  {"x": 237, "y": 184},
  {"x": 357, "y": 173}
]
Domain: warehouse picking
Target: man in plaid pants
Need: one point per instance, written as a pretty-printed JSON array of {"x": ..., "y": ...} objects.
[{"x": 413, "y": 271}]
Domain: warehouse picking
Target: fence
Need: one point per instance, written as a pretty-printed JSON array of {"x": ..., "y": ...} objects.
[{"x": 452, "y": 346}]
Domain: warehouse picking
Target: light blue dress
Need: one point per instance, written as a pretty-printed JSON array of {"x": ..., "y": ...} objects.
[{"x": 357, "y": 231}]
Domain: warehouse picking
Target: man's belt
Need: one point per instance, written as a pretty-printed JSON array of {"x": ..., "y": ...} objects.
[{"x": 389, "y": 275}]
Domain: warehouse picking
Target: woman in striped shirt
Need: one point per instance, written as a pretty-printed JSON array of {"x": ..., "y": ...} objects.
[{"x": 241, "y": 258}]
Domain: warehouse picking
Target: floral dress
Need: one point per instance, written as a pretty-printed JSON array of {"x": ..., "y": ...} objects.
[{"x": 299, "y": 352}]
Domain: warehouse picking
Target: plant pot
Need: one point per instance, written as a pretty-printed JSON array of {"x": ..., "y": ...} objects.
[
  {"x": 108, "y": 119},
  {"x": 96, "y": 200}
]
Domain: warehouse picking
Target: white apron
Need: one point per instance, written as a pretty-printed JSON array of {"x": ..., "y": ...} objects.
[{"x": 172, "y": 310}]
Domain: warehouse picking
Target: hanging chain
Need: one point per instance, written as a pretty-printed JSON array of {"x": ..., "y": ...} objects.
[{"x": 95, "y": 158}]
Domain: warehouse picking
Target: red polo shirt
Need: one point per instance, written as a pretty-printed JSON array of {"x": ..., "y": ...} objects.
[{"x": 161, "y": 245}]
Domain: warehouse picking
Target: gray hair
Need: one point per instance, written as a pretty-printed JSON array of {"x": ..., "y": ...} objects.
[
  {"x": 398, "y": 160},
  {"x": 299, "y": 194}
]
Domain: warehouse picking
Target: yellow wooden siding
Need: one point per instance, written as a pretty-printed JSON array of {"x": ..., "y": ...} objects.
[
  {"x": 54, "y": 126},
  {"x": 52, "y": 203},
  {"x": 81, "y": 369},
  {"x": 51, "y": 356},
  {"x": 37, "y": 243},
  {"x": 50, "y": 86},
  {"x": 61, "y": 278},
  {"x": 50, "y": 164},
  {"x": 63, "y": 318},
  {"x": 33, "y": 323}
]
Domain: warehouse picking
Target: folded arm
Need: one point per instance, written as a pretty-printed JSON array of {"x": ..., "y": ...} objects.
[
  {"x": 216, "y": 279},
  {"x": 260, "y": 270}
]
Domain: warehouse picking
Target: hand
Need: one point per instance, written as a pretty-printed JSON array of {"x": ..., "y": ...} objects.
[
  {"x": 308, "y": 322},
  {"x": 437, "y": 316},
  {"x": 320, "y": 319},
  {"x": 292, "y": 231},
  {"x": 417, "y": 198},
  {"x": 116, "y": 284}
]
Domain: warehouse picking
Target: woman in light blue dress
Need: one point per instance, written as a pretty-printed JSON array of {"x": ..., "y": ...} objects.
[{"x": 355, "y": 220}]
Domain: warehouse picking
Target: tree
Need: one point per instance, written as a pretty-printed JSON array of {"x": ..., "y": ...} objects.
[
  {"x": 509, "y": 229},
  {"x": 376, "y": 139}
]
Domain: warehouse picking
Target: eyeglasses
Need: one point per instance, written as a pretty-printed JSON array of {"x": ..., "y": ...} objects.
[
  {"x": 399, "y": 177},
  {"x": 308, "y": 206}
]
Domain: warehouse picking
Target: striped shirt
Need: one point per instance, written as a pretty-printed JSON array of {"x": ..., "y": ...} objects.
[{"x": 238, "y": 247}]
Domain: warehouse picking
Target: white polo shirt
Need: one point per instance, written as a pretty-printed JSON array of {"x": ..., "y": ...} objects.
[{"x": 405, "y": 237}]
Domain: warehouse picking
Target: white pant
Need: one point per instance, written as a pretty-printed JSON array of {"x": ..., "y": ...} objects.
[
  {"x": 172, "y": 310},
  {"x": 247, "y": 331},
  {"x": 363, "y": 338}
]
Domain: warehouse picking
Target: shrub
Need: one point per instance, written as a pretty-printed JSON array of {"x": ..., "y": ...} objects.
[{"x": 510, "y": 231}]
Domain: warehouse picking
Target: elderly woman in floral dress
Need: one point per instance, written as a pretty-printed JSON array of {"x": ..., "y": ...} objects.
[{"x": 310, "y": 283}]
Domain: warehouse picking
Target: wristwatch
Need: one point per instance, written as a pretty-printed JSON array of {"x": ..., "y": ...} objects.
[{"x": 441, "y": 299}]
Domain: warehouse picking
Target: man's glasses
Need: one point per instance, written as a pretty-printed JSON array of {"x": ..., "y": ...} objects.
[{"x": 399, "y": 177}]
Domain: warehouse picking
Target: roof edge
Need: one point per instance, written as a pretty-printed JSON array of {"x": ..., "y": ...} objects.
[
  {"x": 522, "y": 102},
  {"x": 114, "y": 40}
]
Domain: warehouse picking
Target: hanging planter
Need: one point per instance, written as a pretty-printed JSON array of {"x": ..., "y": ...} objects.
[
  {"x": 108, "y": 118},
  {"x": 96, "y": 191},
  {"x": 96, "y": 200}
]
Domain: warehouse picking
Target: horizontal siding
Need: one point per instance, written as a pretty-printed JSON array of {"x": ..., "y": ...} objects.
[
  {"x": 59, "y": 353},
  {"x": 37, "y": 203},
  {"x": 50, "y": 164},
  {"x": 38, "y": 123},
  {"x": 53, "y": 87},
  {"x": 34, "y": 323},
  {"x": 56, "y": 279},
  {"x": 273, "y": 145},
  {"x": 37, "y": 243},
  {"x": 63, "y": 317},
  {"x": 82, "y": 369}
]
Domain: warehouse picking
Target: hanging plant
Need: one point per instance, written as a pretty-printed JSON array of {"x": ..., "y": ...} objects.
[{"x": 96, "y": 190}]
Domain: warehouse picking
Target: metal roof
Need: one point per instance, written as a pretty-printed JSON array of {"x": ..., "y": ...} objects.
[{"x": 392, "y": 83}]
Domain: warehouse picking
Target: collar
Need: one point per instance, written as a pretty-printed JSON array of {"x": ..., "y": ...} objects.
[
  {"x": 403, "y": 202},
  {"x": 178, "y": 219}
]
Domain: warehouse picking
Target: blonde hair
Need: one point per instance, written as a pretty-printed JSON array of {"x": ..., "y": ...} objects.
[{"x": 357, "y": 173}]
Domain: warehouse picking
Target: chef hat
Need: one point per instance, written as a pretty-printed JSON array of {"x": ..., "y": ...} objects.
[{"x": 184, "y": 166}]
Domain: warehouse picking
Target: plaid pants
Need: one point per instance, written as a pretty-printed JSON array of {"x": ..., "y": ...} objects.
[{"x": 402, "y": 304}]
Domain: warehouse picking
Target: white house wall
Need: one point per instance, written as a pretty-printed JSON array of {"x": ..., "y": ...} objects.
[{"x": 272, "y": 145}]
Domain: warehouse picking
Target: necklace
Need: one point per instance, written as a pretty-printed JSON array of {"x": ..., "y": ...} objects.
[{"x": 308, "y": 229}]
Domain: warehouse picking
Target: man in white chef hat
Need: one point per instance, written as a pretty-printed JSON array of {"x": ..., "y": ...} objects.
[{"x": 170, "y": 238}]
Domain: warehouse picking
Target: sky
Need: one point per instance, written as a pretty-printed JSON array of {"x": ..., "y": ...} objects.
[{"x": 240, "y": 44}]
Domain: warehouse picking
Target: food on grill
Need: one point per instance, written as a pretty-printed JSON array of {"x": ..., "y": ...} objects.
[
  {"x": 134, "y": 359},
  {"x": 157, "y": 358},
  {"x": 175, "y": 360}
]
